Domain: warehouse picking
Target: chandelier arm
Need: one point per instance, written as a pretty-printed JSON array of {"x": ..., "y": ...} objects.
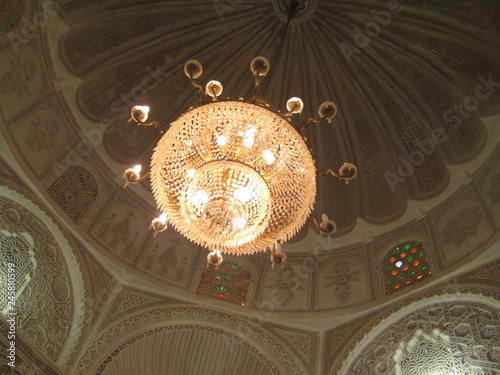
[
  {"x": 158, "y": 125},
  {"x": 314, "y": 220},
  {"x": 345, "y": 176},
  {"x": 145, "y": 175},
  {"x": 308, "y": 122},
  {"x": 199, "y": 91}
]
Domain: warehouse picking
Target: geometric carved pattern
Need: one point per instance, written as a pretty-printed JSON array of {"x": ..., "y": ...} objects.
[
  {"x": 44, "y": 298},
  {"x": 42, "y": 137},
  {"x": 469, "y": 344},
  {"x": 18, "y": 251},
  {"x": 404, "y": 265},
  {"x": 75, "y": 191},
  {"x": 494, "y": 190},
  {"x": 228, "y": 283},
  {"x": 11, "y": 13},
  {"x": 461, "y": 227},
  {"x": 425, "y": 355}
]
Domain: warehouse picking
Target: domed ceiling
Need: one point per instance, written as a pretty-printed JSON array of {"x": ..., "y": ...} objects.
[
  {"x": 410, "y": 79},
  {"x": 417, "y": 88}
]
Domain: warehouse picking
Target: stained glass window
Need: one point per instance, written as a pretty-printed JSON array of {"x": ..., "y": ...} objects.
[
  {"x": 404, "y": 265},
  {"x": 228, "y": 283}
]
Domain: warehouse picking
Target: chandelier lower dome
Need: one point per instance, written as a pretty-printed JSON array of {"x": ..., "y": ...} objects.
[{"x": 234, "y": 176}]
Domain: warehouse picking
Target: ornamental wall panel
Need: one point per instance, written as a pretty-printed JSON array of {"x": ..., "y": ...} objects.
[
  {"x": 22, "y": 77},
  {"x": 461, "y": 226},
  {"x": 344, "y": 280}
]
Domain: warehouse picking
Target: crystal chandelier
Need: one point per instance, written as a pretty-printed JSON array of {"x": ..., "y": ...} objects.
[{"x": 232, "y": 175}]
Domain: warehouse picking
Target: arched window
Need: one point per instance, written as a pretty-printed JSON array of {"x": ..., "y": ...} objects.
[
  {"x": 404, "y": 265},
  {"x": 228, "y": 283}
]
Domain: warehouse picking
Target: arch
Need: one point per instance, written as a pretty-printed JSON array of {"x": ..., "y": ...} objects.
[
  {"x": 404, "y": 265},
  {"x": 20, "y": 214}
]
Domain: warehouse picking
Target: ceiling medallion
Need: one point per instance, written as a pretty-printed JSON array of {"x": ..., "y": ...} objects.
[
  {"x": 294, "y": 11},
  {"x": 232, "y": 175}
]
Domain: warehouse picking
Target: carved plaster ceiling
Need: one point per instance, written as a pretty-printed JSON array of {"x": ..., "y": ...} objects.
[{"x": 416, "y": 84}]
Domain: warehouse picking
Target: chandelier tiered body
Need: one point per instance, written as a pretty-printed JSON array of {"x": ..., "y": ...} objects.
[{"x": 234, "y": 176}]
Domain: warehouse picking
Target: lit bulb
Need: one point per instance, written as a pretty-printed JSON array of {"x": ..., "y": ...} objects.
[
  {"x": 221, "y": 140},
  {"x": 139, "y": 113},
  {"x": 159, "y": 224},
  {"x": 191, "y": 173},
  {"x": 295, "y": 105},
  {"x": 268, "y": 157},
  {"x": 137, "y": 168},
  {"x": 214, "y": 89},
  {"x": 399, "y": 264},
  {"x": 239, "y": 223},
  {"x": 200, "y": 198},
  {"x": 243, "y": 194},
  {"x": 248, "y": 141}
]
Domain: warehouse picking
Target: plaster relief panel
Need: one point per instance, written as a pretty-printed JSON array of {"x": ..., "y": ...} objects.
[
  {"x": 343, "y": 280},
  {"x": 287, "y": 288},
  {"x": 122, "y": 227},
  {"x": 42, "y": 136},
  {"x": 169, "y": 257},
  {"x": 22, "y": 79},
  {"x": 75, "y": 191},
  {"x": 461, "y": 227},
  {"x": 44, "y": 298}
]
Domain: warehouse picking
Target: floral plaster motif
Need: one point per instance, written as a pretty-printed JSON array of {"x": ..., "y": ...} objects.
[
  {"x": 341, "y": 279},
  {"x": 461, "y": 227}
]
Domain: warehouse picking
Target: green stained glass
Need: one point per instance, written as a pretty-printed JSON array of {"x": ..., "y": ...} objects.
[
  {"x": 221, "y": 288},
  {"x": 411, "y": 265}
]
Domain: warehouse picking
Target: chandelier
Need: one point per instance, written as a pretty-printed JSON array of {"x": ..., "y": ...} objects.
[{"x": 235, "y": 175}]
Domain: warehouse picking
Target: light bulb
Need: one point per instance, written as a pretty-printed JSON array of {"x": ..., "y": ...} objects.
[
  {"x": 243, "y": 194},
  {"x": 268, "y": 157},
  {"x": 221, "y": 140},
  {"x": 239, "y": 223},
  {"x": 248, "y": 141},
  {"x": 137, "y": 168},
  {"x": 163, "y": 218},
  {"x": 200, "y": 198},
  {"x": 191, "y": 173}
]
